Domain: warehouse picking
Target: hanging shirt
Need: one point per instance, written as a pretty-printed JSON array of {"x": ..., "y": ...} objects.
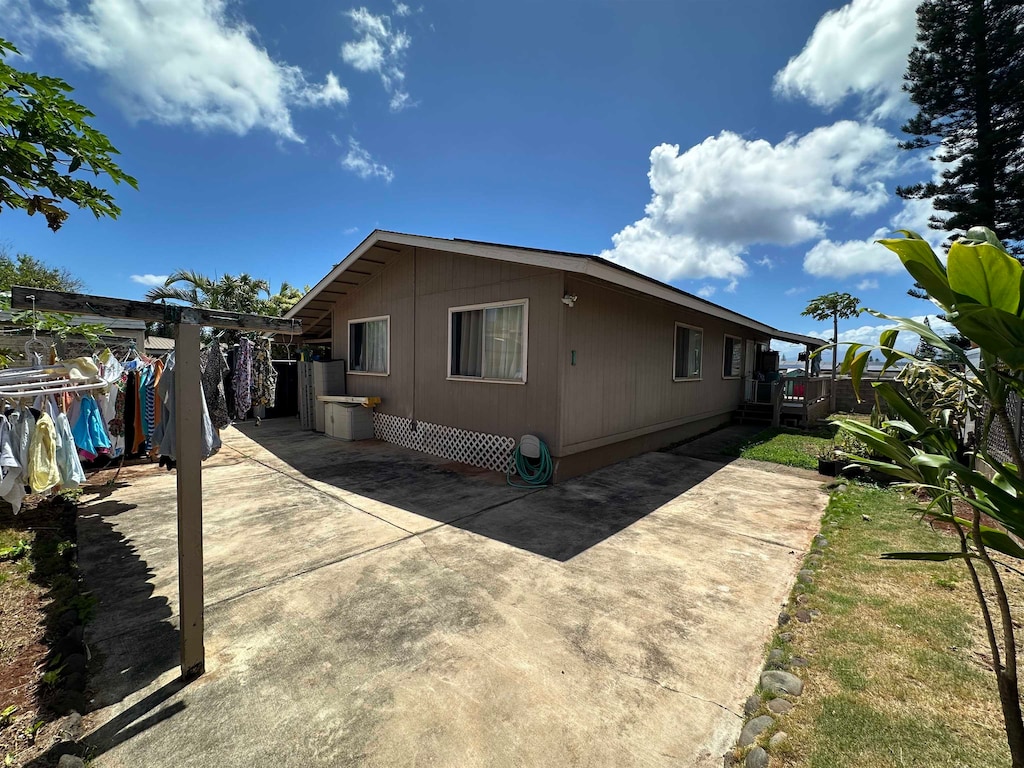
[
  {"x": 12, "y": 486},
  {"x": 242, "y": 380},
  {"x": 23, "y": 427},
  {"x": 42, "y": 455},
  {"x": 88, "y": 431},
  {"x": 264, "y": 376},
  {"x": 68, "y": 465},
  {"x": 167, "y": 430},
  {"x": 213, "y": 366}
]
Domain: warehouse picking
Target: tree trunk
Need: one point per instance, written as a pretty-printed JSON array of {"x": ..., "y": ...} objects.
[{"x": 835, "y": 364}]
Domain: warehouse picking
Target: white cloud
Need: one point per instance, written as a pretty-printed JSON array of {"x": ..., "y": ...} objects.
[
  {"x": 713, "y": 200},
  {"x": 380, "y": 49},
  {"x": 764, "y": 261},
  {"x": 863, "y": 334},
  {"x": 795, "y": 290},
  {"x": 362, "y": 164},
  {"x": 860, "y": 49},
  {"x": 706, "y": 291},
  {"x": 189, "y": 62},
  {"x": 851, "y": 257},
  {"x": 150, "y": 280},
  {"x": 867, "y": 285},
  {"x": 350, "y": 230}
]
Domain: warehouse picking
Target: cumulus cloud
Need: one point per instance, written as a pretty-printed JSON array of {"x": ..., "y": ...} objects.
[
  {"x": 362, "y": 164},
  {"x": 867, "y": 285},
  {"x": 150, "y": 280},
  {"x": 866, "y": 333},
  {"x": 380, "y": 49},
  {"x": 712, "y": 201},
  {"x": 851, "y": 257},
  {"x": 795, "y": 290},
  {"x": 190, "y": 62},
  {"x": 706, "y": 291},
  {"x": 858, "y": 50},
  {"x": 764, "y": 261}
]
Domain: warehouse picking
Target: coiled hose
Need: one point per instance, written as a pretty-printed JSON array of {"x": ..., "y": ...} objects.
[{"x": 533, "y": 473}]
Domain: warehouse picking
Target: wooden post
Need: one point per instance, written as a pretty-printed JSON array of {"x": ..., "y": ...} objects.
[{"x": 188, "y": 421}]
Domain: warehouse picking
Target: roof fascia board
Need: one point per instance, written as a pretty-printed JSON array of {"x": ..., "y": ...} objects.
[{"x": 575, "y": 264}]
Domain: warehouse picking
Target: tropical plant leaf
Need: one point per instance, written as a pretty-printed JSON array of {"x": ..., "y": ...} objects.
[
  {"x": 924, "y": 266},
  {"x": 986, "y": 275}
]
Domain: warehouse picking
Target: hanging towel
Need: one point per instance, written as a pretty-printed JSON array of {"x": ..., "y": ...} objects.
[
  {"x": 167, "y": 429},
  {"x": 42, "y": 456},
  {"x": 23, "y": 426},
  {"x": 242, "y": 380},
  {"x": 68, "y": 465}
]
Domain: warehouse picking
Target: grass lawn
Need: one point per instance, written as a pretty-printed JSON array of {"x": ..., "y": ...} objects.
[
  {"x": 791, "y": 447},
  {"x": 897, "y": 671}
]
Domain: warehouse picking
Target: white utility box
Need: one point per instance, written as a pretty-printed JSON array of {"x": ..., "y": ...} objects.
[{"x": 346, "y": 421}]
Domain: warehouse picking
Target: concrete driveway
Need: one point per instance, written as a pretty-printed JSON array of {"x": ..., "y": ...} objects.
[{"x": 367, "y": 605}]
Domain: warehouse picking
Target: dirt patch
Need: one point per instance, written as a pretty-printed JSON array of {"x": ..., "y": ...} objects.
[{"x": 42, "y": 607}]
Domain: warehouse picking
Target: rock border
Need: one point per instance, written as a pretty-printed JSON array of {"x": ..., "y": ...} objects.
[{"x": 779, "y": 687}]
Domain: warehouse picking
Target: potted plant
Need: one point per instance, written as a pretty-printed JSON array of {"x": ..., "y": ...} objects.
[{"x": 829, "y": 462}]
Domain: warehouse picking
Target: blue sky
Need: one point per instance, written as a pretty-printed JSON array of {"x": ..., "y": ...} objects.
[{"x": 745, "y": 151}]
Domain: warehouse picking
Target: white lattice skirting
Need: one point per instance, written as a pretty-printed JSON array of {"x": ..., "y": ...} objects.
[{"x": 476, "y": 448}]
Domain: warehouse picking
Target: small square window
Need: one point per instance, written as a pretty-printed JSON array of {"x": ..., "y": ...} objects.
[
  {"x": 488, "y": 342},
  {"x": 369, "y": 345}
]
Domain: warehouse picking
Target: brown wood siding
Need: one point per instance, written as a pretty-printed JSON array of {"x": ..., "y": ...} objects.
[
  {"x": 622, "y": 383},
  {"x": 418, "y": 387}
]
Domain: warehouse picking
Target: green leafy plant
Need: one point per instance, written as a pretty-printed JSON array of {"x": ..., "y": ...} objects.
[
  {"x": 60, "y": 326},
  {"x": 15, "y": 551},
  {"x": 32, "y": 731},
  {"x": 45, "y": 139},
  {"x": 6, "y": 715},
  {"x": 924, "y": 443}
]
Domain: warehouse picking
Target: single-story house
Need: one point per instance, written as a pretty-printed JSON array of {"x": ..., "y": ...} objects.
[{"x": 470, "y": 345}]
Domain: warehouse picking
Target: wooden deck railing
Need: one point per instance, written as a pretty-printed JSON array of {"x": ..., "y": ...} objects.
[{"x": 805, "y": 390}]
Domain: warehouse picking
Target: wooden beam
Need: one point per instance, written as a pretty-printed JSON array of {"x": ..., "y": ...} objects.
[
  {"x": 188, "y": 424},
  {"x": 104, "y": 306}
]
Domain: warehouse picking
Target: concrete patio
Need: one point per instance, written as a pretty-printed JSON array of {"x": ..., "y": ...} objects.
[{"x": 368, "y": 605}]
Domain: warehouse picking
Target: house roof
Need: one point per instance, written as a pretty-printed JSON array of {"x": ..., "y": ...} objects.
[
  {"x": 381, "y": 246},
  {"x": 159, "y": 344}
]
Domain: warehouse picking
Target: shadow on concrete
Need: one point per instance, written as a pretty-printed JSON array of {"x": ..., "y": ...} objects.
[{"x": 557, "y": 522}]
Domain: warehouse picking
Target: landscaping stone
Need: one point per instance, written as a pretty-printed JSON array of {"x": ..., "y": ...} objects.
[
  {"x": 69, "y": 701},
  {"x": 777, "y": 739},
  {"x": 798, "y": 661},
  {"x": 71, "y": 726},
  {"x": 804, "y": 617},
  {"x": 820, "y": 541},
  {"x": 786, "y": 637},
  {"x": 780, "y": 706},
  {"x": 802, "y": 598},
  {"x": 783, "y": 619},
  {"x": 775, "y": 656},
  {"x": 778, "y": 683},
  {"x": 753, "y": 729},
  {"x": 67, "y": 620},
  {"x": 76, "y": 662},
  {"x": 757, "y": 758},
  {"x": 71, "y": 761},
  {"x": 814, "y": 612},
  {"x": 75, "y": 681},
  {"x": 76, "y": 634},
  {"x": 798, "y": 588},
  {"x": 751, "y": 705},
  {"x": 814, "y": 558},
  {"x": 806, "y": 575}
]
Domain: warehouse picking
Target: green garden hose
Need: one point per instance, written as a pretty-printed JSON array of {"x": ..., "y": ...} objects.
[{"x": 533, "y": 473}]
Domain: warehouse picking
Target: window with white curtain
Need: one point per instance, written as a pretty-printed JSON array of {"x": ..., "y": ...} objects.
[
  {"x": 369, "y": 345},
  {"x": 733, "y": 358},
  {"x": 689, "y": 343},
  {"x": 488, "y": 342}
]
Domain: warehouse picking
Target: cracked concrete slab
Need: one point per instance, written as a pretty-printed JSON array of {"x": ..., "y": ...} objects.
[{"x": 372, "y": 606}]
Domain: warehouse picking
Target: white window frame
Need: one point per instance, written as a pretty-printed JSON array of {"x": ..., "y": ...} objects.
[
  {"x": 675, "y": 348},
  {"x": 739, "y": 340},
  {"x": 491, "y": 305},
  {"x": 348, "y": 343}
]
